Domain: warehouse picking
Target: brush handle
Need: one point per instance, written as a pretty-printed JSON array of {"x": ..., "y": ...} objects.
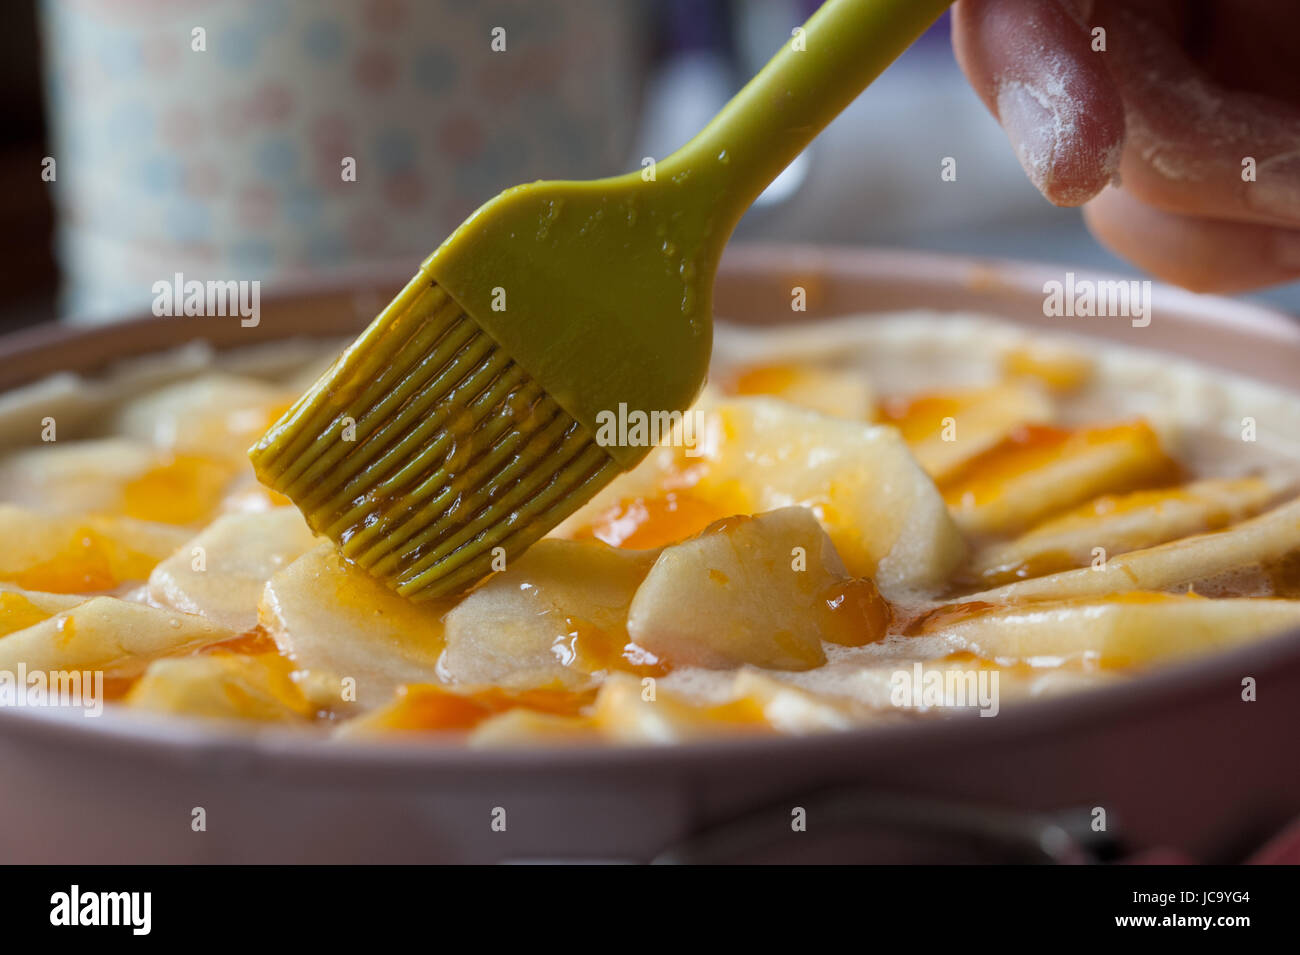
[{"x": 820, "y": 70}]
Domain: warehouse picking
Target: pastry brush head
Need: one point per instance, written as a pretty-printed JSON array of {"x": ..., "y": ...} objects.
[{"x": 427, "y": 454}]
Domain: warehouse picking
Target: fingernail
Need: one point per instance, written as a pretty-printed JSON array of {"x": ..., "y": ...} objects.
[
  {"x": 1031, "y": 129},
  {"x": 1276, "y": 189},
  {"x": 1040, "y": 124}
]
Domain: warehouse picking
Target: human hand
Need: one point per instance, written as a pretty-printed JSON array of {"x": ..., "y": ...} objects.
[{"x": 1182, "y": 134}]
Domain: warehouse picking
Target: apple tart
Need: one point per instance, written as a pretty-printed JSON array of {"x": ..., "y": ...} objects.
[{"x": 857, "y": 508}]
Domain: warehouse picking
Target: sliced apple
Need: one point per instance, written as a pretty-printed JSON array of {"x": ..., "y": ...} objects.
[
  {"x": 763, "y": 590},
  {"x": 629, "y": 710},
  {"x": 649, "y": 522},
  {"x": 72, "y": 477},
  {"x": 556, "y": 616},
  {"x": 20, "y": 609},
  {"x": 1259, "y": 542},
  {"x": 1056, "y": 365},
  {"x": 105, "y": 633},
  {"x": 1121, "y": 630},
  {"x": 839, "y": 392},
  {"x": 524, "y": 727},
  {"x": 957, "y": 680},
  {"x": 881, "y": 510},
  {"x": 330, "y": 617},
  {"x": 213, "y": 414},
  {"x": 222, "y": 686},
  {"x": 64, "y": 554},
  {"x": 1058, "y": 682},
  {"x": 791, "y": 709},
  {"x": 653, "y": 504},
  {"x": 435, "y": 708},
  {"x": 222, "y": 572},
  {"x": 246, "y": 493},
  {"x": 870, "y": 689},
  {"x": 1119, "y": 523},
  {"x": 945, "y": 430},
  {"x": 65, "y": 397},
  {"x": 758, "y": 454},
  {"x": 1038, "y": 471},
  {"x": 117, "y": 476}
]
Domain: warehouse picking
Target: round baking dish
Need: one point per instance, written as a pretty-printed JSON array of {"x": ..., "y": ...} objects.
[{"x": 1175, "y": 758}]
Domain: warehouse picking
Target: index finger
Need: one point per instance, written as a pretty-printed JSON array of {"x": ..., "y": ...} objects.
[{"x": 1032, "y": 64}]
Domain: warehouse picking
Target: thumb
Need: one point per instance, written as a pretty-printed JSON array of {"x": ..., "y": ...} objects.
[{"x": 1032, "y": 64}]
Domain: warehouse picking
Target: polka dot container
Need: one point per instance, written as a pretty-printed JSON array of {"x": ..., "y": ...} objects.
[{"x": 210, "y": 138}]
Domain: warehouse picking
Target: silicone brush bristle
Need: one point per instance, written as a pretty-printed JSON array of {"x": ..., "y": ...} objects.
[{"x": 426, "y": 452}]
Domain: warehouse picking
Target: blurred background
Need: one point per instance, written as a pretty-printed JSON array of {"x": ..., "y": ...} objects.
[{"x": 207, "y": 137}]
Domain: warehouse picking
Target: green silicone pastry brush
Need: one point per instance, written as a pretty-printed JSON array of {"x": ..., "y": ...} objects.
[{"x": 462, "y": 425}]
